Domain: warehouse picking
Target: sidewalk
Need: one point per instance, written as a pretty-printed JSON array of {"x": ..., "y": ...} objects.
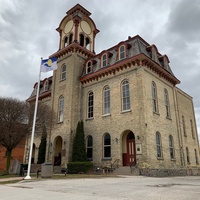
[{"x": 11, "y": 179}]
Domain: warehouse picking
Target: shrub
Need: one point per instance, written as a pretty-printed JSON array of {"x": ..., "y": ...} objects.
[{"x": 79, "y": 167}]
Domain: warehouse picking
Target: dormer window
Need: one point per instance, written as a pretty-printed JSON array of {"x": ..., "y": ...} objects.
[
  {"x": 104, "y": 60},
  {"x": 121, "y": 52},
  {"x": 89, "y": 67}
]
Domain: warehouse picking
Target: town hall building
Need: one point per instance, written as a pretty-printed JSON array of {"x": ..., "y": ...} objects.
[{"x": 127, "y": 96}]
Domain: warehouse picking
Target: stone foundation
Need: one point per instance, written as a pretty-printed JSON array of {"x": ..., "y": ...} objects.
[{"x": 170, "y": 172}]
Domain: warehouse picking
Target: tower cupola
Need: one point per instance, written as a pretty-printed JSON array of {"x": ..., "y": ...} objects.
[{"x": 77, "y": 27}]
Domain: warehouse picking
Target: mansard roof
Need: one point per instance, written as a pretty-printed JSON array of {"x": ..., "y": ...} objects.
[
  {"x": 44, "y": 93},
  {"x": 138, "y": 52}
]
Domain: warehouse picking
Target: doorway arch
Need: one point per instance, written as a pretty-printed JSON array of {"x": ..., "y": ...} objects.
[
  {"x": 57, "y": 151},
  {"x": 128, "y": 148}
]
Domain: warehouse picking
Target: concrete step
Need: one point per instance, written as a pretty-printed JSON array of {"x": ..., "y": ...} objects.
[
  {"x": 57, "y": 169},
  {"x": 126, "y": 170}
]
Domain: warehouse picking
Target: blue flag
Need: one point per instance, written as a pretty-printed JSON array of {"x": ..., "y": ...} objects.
[{"x": 49, "y": 65}]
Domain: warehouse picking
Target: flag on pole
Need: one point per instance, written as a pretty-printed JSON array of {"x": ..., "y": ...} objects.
[{"x": 49, "y": 64}]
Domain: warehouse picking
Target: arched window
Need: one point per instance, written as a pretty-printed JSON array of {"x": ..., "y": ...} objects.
[
  {"x": 187, "y": 155},
  {"x": 196, "y": 156},
  {"x": 167, "y": 106},
  {"x": 90, "y": 105},
  {"x": 70, "y": 38},
  {"x": 125, "y": 96},
  {"x": 154, "y": 97},
  {"x": 89, "y": 147},
  {"x": 87, "y": 43},
  {"x": 106, "y": 100},
  {"x": 65, "y": 41},
  {"x": 121, "y": 52},
  {"x": 171, "y": 147},
  {"x": 183, "y": 123},
  {"x": 89, "y": 67},
  {"x": 61, "y": 109},
  {"x": 63, "y": 72},
  {"x": 82, "y": 40},
  {"x": 158, "y": 145},
  {"x": 104, "y": 60},
  {"x": 107, "y": 145},
  {"x": 192, "y": 129},
  {"x": 46, "y": 85}
]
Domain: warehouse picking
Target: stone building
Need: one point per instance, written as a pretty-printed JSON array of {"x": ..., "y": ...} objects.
[{"x": 133, "y": 112}]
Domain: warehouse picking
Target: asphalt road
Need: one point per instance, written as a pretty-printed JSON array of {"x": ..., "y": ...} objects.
[{"x": 122, "y": 188}]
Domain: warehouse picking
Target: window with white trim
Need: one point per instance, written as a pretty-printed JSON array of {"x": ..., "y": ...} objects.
[
  {"x": 63, "y": 72},
  {"x": 158, "y": 145},
  {"x": 90, "y": 105},
  {"x": 89, "y": 147},
  {"x": 167, "y": 106},
  {"x": 104, "y": 60},
  {"x": 106, "y": 100},
  {"x": 125, "y": 95},
  {"x": 107, "y": 145},
  {"x": 89, "y": 67},
  {"x": 154, "y": 97},
  {"x": 61, "y": 109},
  {"x": 121, "y": 52}
]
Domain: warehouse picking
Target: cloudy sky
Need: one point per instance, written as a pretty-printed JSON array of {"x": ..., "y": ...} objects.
[{"x": 27, "y": 33}]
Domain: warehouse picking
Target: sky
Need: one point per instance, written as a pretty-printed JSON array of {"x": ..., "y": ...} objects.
[{"x": 27, "y": 33}]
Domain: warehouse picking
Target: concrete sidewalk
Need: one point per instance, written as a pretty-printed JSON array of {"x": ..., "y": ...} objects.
[
  {"x": 121, "y": 188},
  {"x": 11, "y": 179}
]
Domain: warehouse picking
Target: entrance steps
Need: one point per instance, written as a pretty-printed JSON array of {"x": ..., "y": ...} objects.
[
  {"x": 126, "y": 170},
  {"x": 57, "y": 169}
]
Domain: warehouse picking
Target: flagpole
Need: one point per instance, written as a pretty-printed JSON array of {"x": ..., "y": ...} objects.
[{"x": 33, "y": 128}]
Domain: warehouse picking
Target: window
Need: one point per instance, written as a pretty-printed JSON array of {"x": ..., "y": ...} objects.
[
  {"x": 104, "y": 60},
  {"x": 167, "y": 106},
  {"x": 183, "y": 123},
  {"x": 122, "y": 52},
  {"x": 171, "y": 147},
  {"x": 192, "y": 130},
  {"x": 89, "y": 67},
  {"x": 46, "y": 85},
  {"x": 87, "y": 43},
  {"x": 187, "y": 155},
  {"x": 196, "y": 156},
  {"x": 89, "y": 147},
  {"x": 65, "y": 41},
  {"x": 107, "y": 146},
  {"x": 125, "y": 96},
  {"x": 61, "y": 109},
  {"x": 158, "y": 145},
  {"x": 70, "y": 38},
  {"x": 154, "y": 97},
  {"x": 63, "y": 72},
  {"x": 106, "y": 100},
  {"x": 90, "y": 104},
  {"x": 82, "y": 40}
]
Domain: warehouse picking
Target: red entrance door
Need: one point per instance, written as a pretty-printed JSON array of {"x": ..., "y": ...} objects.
[{"x": 131, "y": 157}]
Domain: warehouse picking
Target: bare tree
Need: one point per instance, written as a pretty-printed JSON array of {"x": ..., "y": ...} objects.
[
  {"x": 44, "y": 122},
  {"x": 13, "y": 124}
]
